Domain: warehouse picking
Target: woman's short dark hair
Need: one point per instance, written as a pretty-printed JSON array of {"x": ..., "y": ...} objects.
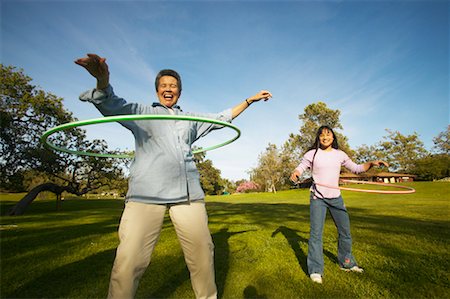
[{"x": 168, "y": 72}]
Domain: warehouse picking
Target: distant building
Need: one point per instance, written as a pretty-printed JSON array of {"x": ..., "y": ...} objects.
[{"x": 385, "y": 177}]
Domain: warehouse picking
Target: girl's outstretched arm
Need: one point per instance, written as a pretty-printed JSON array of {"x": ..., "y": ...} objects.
[{"x": 369, "y": 165}]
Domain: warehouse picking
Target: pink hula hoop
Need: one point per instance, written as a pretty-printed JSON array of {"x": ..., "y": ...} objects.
[{"x": 409, "y": 189}]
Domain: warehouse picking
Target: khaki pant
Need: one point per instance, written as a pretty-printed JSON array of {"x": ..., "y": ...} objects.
[{"x": 139, "y": 231}]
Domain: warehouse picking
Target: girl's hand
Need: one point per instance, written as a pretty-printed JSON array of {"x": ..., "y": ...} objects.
[
  {"x": 295, "y": 176},
  {"x": 380, "y": 163}
]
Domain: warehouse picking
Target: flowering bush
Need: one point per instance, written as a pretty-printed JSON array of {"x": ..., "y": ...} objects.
[{"x": 247, "y": 187}]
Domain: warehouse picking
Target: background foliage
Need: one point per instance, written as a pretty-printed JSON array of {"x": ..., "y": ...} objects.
[{"x": 27, "y": 111}]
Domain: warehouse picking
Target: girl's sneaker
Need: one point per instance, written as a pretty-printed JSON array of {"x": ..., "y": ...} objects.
[
  {"x": 353, "y": 269},
  {"x": 316, "y": 277}
]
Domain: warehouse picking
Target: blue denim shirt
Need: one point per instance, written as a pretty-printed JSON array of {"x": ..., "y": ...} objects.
[{"x": 163, "y": 169}]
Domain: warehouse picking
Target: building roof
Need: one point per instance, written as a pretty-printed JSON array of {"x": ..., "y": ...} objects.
[
  {"x": 393, "y": 174},
  {"x": 377, "y": 174},
  {"x": 352, "y": 175}
]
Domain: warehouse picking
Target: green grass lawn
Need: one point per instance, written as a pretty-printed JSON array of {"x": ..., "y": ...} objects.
[{"x": 402, "y": 242}]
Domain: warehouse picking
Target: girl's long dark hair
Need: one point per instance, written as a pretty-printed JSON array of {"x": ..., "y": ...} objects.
[
  {"x": 316, "y": 144},
  {"x": 316, "y": 147}
]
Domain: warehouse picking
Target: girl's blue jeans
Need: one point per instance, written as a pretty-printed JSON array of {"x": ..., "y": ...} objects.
[{"x": 318, "y": 212}]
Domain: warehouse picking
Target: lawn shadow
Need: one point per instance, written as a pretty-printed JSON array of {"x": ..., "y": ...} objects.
[
  {"x": 260, "y": 214},
  {"x": 395, "y": 238},
  {"x": 251, "y": 292},
  {"x": 43, "y": 208},
  {"x": 181, "y": 276},
  {"x": 92, "y": 282},
  {"x": 294, "y": 240},
  {"x": 38, "y": 238},
  {"x": 170, "y": 285},
  {"x": 221, "y": 257}
]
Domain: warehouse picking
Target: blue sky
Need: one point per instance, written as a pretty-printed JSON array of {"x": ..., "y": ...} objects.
[{"x": 383, "y": 64}]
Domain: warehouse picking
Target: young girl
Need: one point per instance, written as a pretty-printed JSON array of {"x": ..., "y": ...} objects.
[{"x": 325, "y": 160}]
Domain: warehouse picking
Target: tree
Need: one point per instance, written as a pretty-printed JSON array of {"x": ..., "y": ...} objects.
[
  {"x": 210, "y": 178},
  {"x": 435, "y": 166},
  {"x": 365, "y": 153},
  {"x": 432, "y": 167},
  {"x": 26, "y": 112},
  {"x": 270, "y": 174},
  {"x": 400, "y": 151},
  {"x": 275, "y": 166},
  {"x": 316, "y": 115},
  {"x": 442, "y": 142},
  {"x": 229, "y": 186}
]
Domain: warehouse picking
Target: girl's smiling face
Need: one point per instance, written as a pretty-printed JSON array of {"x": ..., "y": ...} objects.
[{"x": 326, "y": 139}]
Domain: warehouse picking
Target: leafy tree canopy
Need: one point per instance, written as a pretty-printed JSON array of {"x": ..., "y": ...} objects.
[
  {"x": 442, "y": 142},
  {"x": 314, "y": 116},
  {"x": 432, "y": 167},
  {"x": 401, "y": 151},
  {"x": 26, "y": 112},
  {"x": 210, "y": 179}
]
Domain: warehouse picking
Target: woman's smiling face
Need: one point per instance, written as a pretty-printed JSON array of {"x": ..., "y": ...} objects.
[{"x": 168, "y": 91}]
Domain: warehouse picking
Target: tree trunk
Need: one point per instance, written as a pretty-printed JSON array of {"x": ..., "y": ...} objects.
[
  {"x": 58, "y": 202},
  {"x": 22, "y": 205}
]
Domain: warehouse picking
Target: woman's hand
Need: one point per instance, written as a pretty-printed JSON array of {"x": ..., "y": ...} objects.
[
  {"x": 239, "y": 108},
  {"x": 97, "y": 67},
  {"x": 262, "y": 95}
]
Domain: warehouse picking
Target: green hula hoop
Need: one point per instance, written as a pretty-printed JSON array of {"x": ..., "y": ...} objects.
[{"x": 107, "y": 119}]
